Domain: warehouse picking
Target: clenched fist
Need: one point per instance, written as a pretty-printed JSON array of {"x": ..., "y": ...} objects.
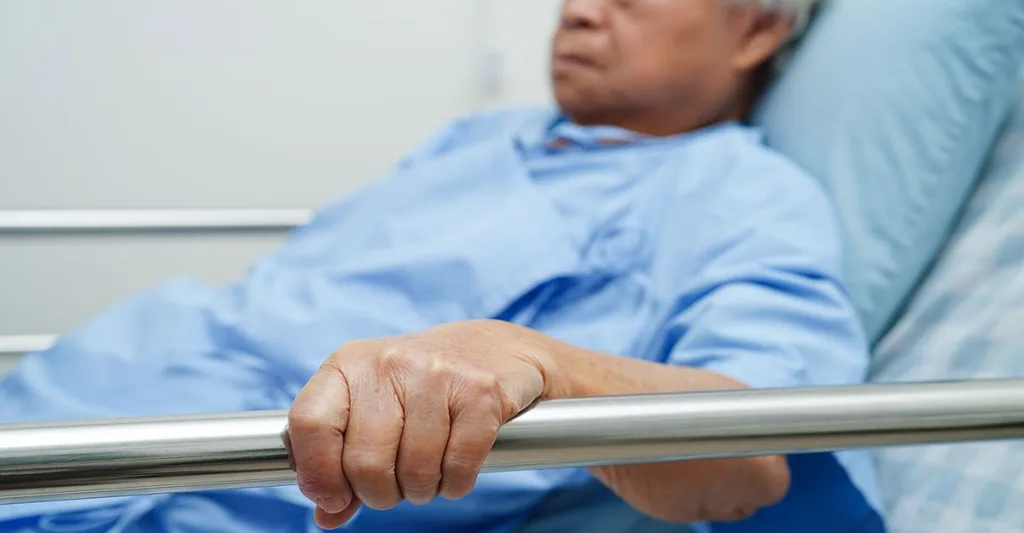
[{"x": 411, "y": 417}]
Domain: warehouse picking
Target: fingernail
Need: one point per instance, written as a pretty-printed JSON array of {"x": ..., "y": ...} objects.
[{"x": 332, "y": 505}]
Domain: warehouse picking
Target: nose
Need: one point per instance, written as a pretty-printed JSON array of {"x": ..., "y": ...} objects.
[{"x": 584, "y": 14}]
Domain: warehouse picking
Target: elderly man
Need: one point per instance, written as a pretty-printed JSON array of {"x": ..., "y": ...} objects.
[{"x": 638, "y": 238}]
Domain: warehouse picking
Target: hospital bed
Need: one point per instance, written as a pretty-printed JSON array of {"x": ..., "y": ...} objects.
[
  {"x": 980, "y": 266},
  {"x": 962, "y": 321}
]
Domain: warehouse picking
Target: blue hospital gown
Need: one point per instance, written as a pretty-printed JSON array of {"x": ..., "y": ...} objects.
[{"x": 703, "y": 249}]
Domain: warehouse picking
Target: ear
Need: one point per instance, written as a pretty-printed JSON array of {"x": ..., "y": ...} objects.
[{"x": 760, "y": 34}]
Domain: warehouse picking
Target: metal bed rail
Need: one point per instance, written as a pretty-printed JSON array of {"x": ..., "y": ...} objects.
[
  {"x": 35, "y": 221},
  {"x": 21, "y": 344},
  {"x": 56, "y": 461},
  {"x": 121, "y": 220}
]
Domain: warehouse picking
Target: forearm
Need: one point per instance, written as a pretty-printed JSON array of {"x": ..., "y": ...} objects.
[{"x": 709, "y": 490}]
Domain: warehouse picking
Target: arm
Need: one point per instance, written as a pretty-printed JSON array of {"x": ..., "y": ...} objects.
[
  {"x": 694, "y": 491},
  {"x": 413, "y": 417},
  {"x": 763, "y": 308}
]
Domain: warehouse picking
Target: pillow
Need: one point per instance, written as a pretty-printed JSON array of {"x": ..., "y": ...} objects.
[
  {"x": 894, "y": 106},
  {"x": 965, "y": 322}
]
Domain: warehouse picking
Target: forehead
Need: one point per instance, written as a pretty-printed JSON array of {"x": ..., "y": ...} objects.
[
  {"x": 672, "y": 13},
  {"x": 668, "y": 13},
  {"x": 681, "y": 6},
  {"x": 649, "y": 14}
]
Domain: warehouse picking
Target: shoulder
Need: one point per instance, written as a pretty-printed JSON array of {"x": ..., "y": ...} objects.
[
  {"x": 760, "y": 176},
  {"x": 754, "y": 198}
]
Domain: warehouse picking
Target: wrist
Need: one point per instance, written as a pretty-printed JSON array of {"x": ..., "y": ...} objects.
[
  {"x": 558, "y": 380},
  {"x": 548, "y": 355},
  {"x": 562, "y": 366}
]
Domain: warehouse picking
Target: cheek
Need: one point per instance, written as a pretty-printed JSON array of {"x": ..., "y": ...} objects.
[
  {"x": 657, "y": 67},
  {"x": 652, "y": 57},
  {"x": 677, "y": 63},
  {"x": 654, "y": 74}
]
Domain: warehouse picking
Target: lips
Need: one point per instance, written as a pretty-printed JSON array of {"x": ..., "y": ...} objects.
[
  {"x": 574, "y": 60},
  {"x": 567, "y": 64}
]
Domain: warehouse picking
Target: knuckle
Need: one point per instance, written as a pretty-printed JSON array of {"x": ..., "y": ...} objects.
[
  {"x": 484, "y": 382},
  {"x": 352, "y": 354},
  {"x": 456, "y": 488},
  {"x": 487, "y": 434},
  {"x": 463, "y": 463},
  {"x": 354, "y": 346},
  {"x": 395, "y": 359},
  {"x": 334, "y": 362},
  {"x": 381, "y": 503},
  {"x": 304, "y": 422},
  {"x": 480, "y": 386},
  {"x": 487, "y": 406},
  {"x": 367, "y": 466},
  {"x": 419, "y": 479},
  {"x": 311, "y": 486},
  {"x": 439, "y": 370}
]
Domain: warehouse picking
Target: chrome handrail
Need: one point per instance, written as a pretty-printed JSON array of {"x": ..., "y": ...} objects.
[
  {"x": 19, "y": 344},
  {"x": 74, "y": 220},
  {"x": 58, "y": 461}
]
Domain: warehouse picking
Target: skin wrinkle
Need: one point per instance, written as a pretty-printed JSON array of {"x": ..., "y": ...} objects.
[
  {"x": 313, "y": 420},
  {"x": 655, "y": 67}
]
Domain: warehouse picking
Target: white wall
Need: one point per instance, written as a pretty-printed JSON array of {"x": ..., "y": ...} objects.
[
  {"x": 222, "y": 103},
  {"x": 522, "y": 33},
  {"x": 203, "y": 103}
]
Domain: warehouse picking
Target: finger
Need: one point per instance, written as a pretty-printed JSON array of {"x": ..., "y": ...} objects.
[
  {"x": 424, "y": 439},
  {"x": 473, "y": 432},
  {"x": 371, "y": 443},
  {"x": 316, "y": 424},
  {"x": 333, "y": 521}
]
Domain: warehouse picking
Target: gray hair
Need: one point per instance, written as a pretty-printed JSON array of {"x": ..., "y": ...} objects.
[{"x": 799, "y": 10}]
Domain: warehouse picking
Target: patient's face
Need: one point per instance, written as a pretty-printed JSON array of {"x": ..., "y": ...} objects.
[{"x": 615, "y": 57}]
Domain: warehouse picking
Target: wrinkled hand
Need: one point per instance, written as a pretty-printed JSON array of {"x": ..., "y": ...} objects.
[{"x": 411, "y": 417}]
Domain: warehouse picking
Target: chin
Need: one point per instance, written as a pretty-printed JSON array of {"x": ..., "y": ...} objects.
[{"x": 572, "y": 99}]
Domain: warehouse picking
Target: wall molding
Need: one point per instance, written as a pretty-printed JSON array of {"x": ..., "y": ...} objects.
[{"x": 134, "y": 220}]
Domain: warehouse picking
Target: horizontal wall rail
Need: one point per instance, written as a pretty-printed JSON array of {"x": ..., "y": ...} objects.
[
  {"x": 138, "y": 456},
  {"x": 109, "y": 220},
  {"x": 19, "y": 344}
]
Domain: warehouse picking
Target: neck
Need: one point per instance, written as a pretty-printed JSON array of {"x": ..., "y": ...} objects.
[
  {"x": 663, "y": 121},
  {"x": 732, "y": 100}
]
